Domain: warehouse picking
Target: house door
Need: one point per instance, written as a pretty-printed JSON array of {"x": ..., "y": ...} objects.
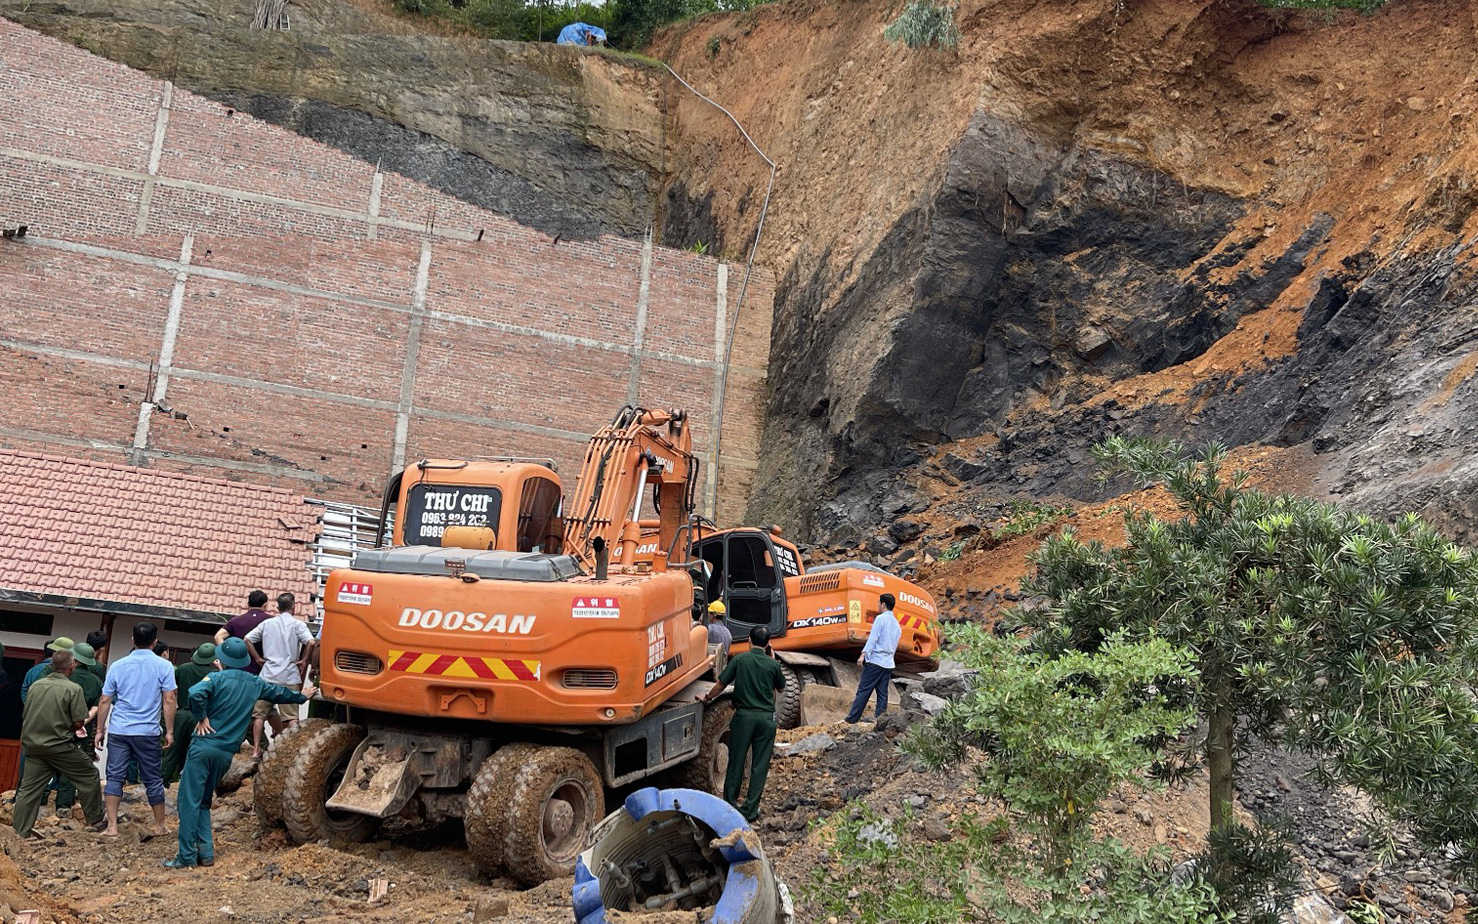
[{"x": 17, "y": 662}]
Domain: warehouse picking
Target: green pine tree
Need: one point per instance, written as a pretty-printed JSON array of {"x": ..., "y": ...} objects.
[{"x": 1323, "y": 629}]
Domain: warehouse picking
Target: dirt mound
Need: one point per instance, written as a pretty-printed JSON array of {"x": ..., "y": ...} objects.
[{"x": 17, "y": 892}]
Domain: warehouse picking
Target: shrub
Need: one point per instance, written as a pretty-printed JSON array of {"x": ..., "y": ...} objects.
[
  {"x": 923, "y": 23},
  {"x": 1059, "y": 734}
]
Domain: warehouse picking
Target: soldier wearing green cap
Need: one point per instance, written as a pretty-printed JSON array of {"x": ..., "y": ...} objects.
[
  {"x": 52, "y": 719},
  {"x": 92, "y": 691},
  {"x": 201, "y": 663},
  {"x": 223, "y": 703},
  {"x": 60, "y": 643}
]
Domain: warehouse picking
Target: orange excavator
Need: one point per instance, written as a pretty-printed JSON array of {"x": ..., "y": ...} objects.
[
  {"x": 818, "y": 618},
  {"x": 506, "y": 661}
]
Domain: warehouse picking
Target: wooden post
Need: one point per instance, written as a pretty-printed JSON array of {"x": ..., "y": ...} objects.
[{"x": 106, "y": 654}]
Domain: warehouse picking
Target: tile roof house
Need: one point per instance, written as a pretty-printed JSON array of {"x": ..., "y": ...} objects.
[{"x": 136, "y": 541}]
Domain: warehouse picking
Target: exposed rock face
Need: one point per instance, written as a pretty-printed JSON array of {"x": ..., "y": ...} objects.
[
  {"x": 563, "y": 141},
  {"x": 1036, "y": 271},
  {"x": 1187, "y": 218},
  {"x": 1196, "y": 220}
]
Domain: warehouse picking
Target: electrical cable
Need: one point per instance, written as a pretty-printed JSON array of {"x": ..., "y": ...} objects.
[{"x": 718, "y": 424}]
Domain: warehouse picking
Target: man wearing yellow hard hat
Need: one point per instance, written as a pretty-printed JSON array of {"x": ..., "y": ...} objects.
[{"x": 718, "y": 631}]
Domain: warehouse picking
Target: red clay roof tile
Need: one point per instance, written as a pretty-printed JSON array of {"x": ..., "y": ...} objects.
[{"x": 104, "y": 531}]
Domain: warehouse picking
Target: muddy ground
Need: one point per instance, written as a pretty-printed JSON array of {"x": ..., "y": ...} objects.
[{"x": 75, "y": 876}]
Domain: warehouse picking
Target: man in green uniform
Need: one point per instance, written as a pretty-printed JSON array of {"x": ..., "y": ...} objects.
[
  {"x": 55, "y": 711},
  {"x": 97, "y": 640},
  {"x": 222, "y": 703},
  {"x": 202, "y": 662},
  {"x": 756, "y": 678},
  {"x": 92, "y": 691}
]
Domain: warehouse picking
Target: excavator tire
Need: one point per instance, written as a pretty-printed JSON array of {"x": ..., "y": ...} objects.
[
  {"x": 485, "y": 821},
  {"x": 706, "y": 770},
  {"x": 788, "y": 708},
  {"x": 556, "y": 801},
  {"x": 316, "y": 770},
  {"x": 266, "y": 791}
]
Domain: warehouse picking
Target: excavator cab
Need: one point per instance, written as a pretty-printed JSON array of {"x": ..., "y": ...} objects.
[
  {"x": 746, "y": 569},
  {"x": 513, "y": 505}
]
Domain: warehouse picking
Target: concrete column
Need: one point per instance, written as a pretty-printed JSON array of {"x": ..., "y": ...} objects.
[
  {"x": 720, "y": 334},
  {"x": 643, "y": 292},
  {"x": 156, "y": 151},
  {"x": 139, "y": 455},
  {"x": 412, "y": 353}
]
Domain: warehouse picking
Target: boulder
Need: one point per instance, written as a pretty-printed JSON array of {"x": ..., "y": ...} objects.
[
  {"x": 881, "y": 545},
  {"x": 897, "y": 721},
  {"x": 928, "y": 703},
  {"x": 823, "y": 705},
  {"x": 905, "y": 529},
  {"x": 811, "y": 744},
  {"x": 951, "y": 681}
]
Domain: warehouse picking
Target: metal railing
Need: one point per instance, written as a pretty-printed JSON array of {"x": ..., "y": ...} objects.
[{"x": 344, "y": 530}]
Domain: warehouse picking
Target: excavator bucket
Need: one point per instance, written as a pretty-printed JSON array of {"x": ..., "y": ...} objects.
[
  {"x": 825, "y": 705},
  {"x": 378, "y": 781}
]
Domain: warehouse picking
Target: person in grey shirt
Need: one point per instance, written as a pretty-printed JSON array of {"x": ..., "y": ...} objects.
[
  {"x": 283, "y": 647},
  {"x": 718, "y": 630}
]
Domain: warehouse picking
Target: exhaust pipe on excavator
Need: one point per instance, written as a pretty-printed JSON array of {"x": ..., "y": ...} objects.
[{"x": 602, "y": 558}]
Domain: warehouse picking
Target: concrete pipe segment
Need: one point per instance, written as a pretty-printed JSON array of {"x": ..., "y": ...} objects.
[{"x": 668, "y": 849}]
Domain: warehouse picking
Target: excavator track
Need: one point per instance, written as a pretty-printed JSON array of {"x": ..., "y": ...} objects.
[
  {"x": 706, "y": 771},
  {"x": 266, "y": 794},
  {"x": 317, "y": 767},
  {"x": 788, "y": 706}
]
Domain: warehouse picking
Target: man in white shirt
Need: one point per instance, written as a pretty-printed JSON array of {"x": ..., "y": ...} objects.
[
  {"x": 877, "y": 661},
  {"x": 283, "y": 646}
]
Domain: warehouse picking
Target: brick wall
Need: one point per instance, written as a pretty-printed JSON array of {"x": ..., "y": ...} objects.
[{"x": 203, "y": 292}]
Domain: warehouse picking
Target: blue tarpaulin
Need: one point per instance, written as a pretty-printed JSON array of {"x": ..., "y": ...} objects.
[{"x": 580, "y": 33}]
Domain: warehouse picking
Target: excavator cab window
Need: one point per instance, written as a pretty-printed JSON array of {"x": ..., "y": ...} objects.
[
  {"x": 385, "y": 533},
  {"x": 540, "y": 526},
  {"x": 431, "y": 508},
  {"x": 712, "y": 552}
]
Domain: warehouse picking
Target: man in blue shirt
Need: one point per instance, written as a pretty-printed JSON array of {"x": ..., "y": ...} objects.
[
  {"x": 139, "y": 687},
  {"x": 877, "y": 661},
  {"x": 223, "y": 702}
]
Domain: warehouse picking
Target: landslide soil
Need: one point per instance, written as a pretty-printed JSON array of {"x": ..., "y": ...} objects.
[
  {"x": 76, "y": 877},
  {"x": 1368, "y": 115},
  {"x": 1358, "y": 124}
]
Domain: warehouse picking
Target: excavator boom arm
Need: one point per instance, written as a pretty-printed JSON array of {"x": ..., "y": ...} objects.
[{"x": 638, "y": 448}]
